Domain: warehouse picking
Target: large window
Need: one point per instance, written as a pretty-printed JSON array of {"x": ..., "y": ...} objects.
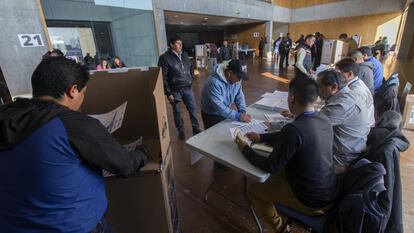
[{"x": 81, "y": 27}]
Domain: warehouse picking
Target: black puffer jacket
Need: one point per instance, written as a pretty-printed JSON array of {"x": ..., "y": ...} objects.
[
  {"x": 386, "y": 141},
  {"x": 176, "y": 73}
]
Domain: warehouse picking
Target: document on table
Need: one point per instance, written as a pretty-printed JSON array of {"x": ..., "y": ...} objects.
[
  {"x": 113, "y": 119},
  {"x": 273, "y": 101},
  {"x": 129, "y": 147}
]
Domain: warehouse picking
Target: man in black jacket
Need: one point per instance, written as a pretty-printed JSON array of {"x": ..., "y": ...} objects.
[
  {"x": 226, "y": 51},
  {"x": 301, "y": 163},
  {"x": 178, "y": 71},
  {"x": 52, "y": 156}
]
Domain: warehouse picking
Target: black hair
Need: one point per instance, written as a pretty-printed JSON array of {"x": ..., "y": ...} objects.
[
  {"x": 330, "y": 77},
  {"x": 305, "y": 90},
  {"x": 173, "y": 39},
  {"x": 55, "y": 75},
  {"x": 58, "y": 52},
  {"x": 343, "y": 36},
  {"x": 366, "y": 50},
  {"x": 309, "y": 36},
  {"x": 348, "y": 64}
]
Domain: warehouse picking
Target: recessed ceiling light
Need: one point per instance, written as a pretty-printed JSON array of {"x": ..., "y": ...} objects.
[
  {"x": 205, "y": 18},
  {"x": 175, "y": 16},
  {"x": 181, "y": 22},
  {"x": 204, "y": 23}
]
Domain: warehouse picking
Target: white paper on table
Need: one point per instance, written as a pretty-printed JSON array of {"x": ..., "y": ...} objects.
[
  {"x": 273, "y": 103},
  {"x": 113, "y": 119},
  {"x": 253, "y": 121},
  {"x": 252, "y": 127},
  {"x": 274, "y": 117}
]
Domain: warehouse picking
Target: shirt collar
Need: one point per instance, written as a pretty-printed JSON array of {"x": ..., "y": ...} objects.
[
  {"x": 333, "y": 98},
  {"x": 353, "y": 81}
]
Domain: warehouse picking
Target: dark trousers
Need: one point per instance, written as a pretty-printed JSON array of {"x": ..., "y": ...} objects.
[
  {"x": 186, "y": 96},
  {"x": 282, "y": 59},
  {"x": 287, "y": 58},
  {"x": 260, "y": 53},
  {"x": 210, "y": 120},
  {"x": 103, "y": 227}
]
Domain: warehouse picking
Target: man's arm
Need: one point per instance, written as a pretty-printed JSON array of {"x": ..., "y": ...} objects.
[
  {"x": 284, "y": 149},
  {"x": 164, "y": 68},
  {"x": 335, "y": 112},
  {"x": 96, "y": 147},
  {"x": 299, "y": 63},
  {"x": 240, "y": 101},
  {"x": 215, "y": 98}
]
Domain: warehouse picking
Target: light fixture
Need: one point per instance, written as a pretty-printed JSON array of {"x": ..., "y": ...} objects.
[
  {"x": 204, "y": 24},
  {"x": 175, "y": 16},
  {"x": 205, "y": 18},
  {"x": 181, "y": 22}
]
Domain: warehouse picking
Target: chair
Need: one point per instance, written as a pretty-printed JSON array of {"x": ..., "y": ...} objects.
[{"x": 403, "y": 95}]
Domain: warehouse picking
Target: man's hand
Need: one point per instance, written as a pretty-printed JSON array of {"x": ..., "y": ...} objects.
[
  {"x": 240, "y": 144},
  {"x": 245, "y": 118},
  {"x": 287, "y": 114},
  {"x": 171, "y": 99},
  {"x": 254, "y": 137}
]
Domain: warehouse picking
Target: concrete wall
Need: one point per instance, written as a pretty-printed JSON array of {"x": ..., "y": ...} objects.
[
  {"x": 17, "y": 63},
  {"x": 406, "y": 49},
  {"x": 280, "y": 28}
]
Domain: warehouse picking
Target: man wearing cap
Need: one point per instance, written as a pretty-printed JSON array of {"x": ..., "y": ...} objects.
[{"x": 222, "y": 89}]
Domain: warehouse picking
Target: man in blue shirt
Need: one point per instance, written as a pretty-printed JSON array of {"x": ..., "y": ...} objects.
[
  {"x": 222, "y": 89},
  {"x": 378, "y": 69}
]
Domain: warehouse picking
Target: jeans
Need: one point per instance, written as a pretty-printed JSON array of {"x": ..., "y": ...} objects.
[
  {"x": 213, "y": 63},
  {"x": 186, "y": 96},
  {"x": 210, "y": 120},
  {"x": 103, "y": 227}
]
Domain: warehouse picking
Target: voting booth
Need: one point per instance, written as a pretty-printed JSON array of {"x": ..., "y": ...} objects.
[
  {"x": 332, "y": 51},
  {"x": 144, "y": 202}
]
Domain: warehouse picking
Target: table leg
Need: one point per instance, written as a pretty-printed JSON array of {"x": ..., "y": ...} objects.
[
  {"x": 256, "y": 219},
  {"x": 209, "y": 187}
]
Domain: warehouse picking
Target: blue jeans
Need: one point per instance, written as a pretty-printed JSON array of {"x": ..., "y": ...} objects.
[
  {"x": 103, "y": 227},
  {"x": 186, "y": 96}
]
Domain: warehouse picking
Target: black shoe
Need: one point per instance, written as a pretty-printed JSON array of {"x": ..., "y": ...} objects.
[
  {"x": 196, "y": 131},
  {"x": 181, "y": 135}
]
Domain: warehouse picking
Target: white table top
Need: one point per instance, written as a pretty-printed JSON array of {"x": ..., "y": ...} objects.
[{"x": 217, "y": 144}]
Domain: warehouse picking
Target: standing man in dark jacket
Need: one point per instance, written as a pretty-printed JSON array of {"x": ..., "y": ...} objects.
[
  {"x": 226, "y": 51},
  {"x": 304, "y": 63},
  {"x": 52, "y": 156},
  {"x": 318, "y": 47},
  {"x": 282, "y": 51},
  {"x": 288, "y": 46},
  {"x": 261, "y": 48},
  {"x": 178, "y": 71},
  {"x": 301, "y": 163}
]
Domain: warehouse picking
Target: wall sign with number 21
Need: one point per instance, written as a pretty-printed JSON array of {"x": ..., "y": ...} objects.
[{"x": 30, "y": 40}]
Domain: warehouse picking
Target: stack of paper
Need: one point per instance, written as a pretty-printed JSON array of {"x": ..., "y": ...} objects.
[{"x": 275, "y": 101}]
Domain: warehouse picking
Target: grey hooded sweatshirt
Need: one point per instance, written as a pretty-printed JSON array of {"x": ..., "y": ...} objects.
[{"x": 366, "y": 75}]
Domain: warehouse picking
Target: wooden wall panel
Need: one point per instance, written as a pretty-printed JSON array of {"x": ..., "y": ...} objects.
[
  {"x": 366, "y": 26},
  {"x": 245, "y": 34},
  {"x": 301, "y": 3}
]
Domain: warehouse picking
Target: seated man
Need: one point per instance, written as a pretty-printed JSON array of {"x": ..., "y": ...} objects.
[
  {"x": 348, "y": 115},
  {"x": 303, "y": 174},
  {"x": 365, "y": 70},
  {"x": 222, "y": 89},
  {"x": 350, "y": 69},
  {"x": 378, "y": 69},
  {"x": 52, "y": 156}
]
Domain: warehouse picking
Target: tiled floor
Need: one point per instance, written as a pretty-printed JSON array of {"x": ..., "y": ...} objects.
[{"x": 222, "y": 216}]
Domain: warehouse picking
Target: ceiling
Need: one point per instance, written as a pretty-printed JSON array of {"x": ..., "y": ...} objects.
[{"x": 185, "y": 20}]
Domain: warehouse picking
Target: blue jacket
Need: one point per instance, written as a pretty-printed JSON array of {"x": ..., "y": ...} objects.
[
  {"x": 51, "y": 161},
  {"x": 218, "y": 95},
  {"x": 378, "y": 72}
]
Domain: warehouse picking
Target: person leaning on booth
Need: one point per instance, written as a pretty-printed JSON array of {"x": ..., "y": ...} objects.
[
  {"x": 301, "y": 163},
  {"x": 52, "y": 156}
]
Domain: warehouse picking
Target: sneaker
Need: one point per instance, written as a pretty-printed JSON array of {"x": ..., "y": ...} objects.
[{"x": 196, "y": 131}]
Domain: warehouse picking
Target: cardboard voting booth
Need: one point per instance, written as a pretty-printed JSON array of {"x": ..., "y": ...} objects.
[
  {"x": 143, "y": 202},
  {"x": 408, "y": 114},
  {"x": 332, "y": 51}
]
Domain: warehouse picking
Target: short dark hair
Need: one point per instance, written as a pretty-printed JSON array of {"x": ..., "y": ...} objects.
[
  {"x": 330, "y": 77},
  {"x": 173, "y": 39},
  {"x": 309, "y": 36},
  {"x": 348, "y": 64},
  {"x": 55, "y": 75},
  {"x": 366, "y": 50},
  {"x": 343, "y": 36},
  {"x": 58, "y": 52},
  {"x": 305, "y": 90}
]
